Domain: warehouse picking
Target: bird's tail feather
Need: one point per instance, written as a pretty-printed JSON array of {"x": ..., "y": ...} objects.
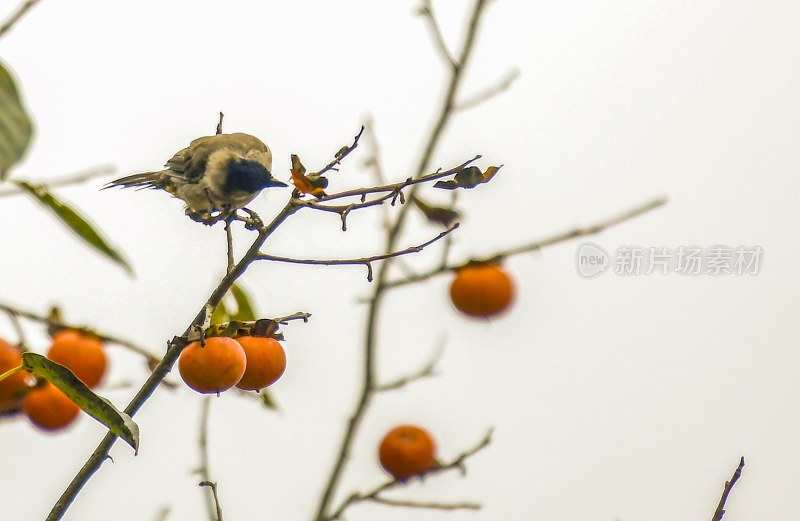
[{"x": 140, "y": 181}]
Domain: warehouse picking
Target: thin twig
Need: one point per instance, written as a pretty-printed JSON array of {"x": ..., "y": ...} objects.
[
  {"x": 426, "y": 10},
  {"x": 502, "y": 85},
  {"x": 14, "y": 319},
  {"x": 213, "y": 486},
  {"x": 457, "y": 463},
  {"x": 375, "y": 164},
  {"x": 396, "y": 187},
  {"x": 448, "y": 242},
  {"x": 727, "y": 490},
  {"x": 344, "y": 210},
  {"x": 229, "y": 236},
  {"x": 46, "y": 320},
  {"x": 16, "y": 16},
  {"x": 341, "y": 154},
  {"x": 69, "y": 180},
  {"x": 540, "y": 244},
  {"x": 429, "y": 506},
  {"x": 426, "y": 371},
  {"x": 363, "y": 260},
  {"x": 202, "y": 443}
]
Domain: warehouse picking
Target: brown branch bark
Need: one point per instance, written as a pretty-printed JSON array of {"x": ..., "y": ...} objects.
[
  {"x": 720, "y": 511},
  {"x": 100, "y": 454},
  {"x": 370, "y": 341},
  {"x": 363, "y": 260},
  {"x": 541, "y": 243},
  {"x": 46, "y": 320},
  {"x": 202, "y": 445},
  {"x": 456, "y": 463}
]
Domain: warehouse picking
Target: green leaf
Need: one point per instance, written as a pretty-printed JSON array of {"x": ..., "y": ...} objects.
[
  {"x": 74, "y": 221},
  {"x": 16, "y": 128},
  {"x": 244, "y": 310},
  {"x": 95, "y": 406},
  {"x": 267, "y": 400},
  {"x": 220, "y": 314}
]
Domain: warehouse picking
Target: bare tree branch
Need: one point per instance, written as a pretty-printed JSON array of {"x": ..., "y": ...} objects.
[
  {"x": 14, "y": 319},
  {"x": 69, "y": 180},
  {"x": 542, "y": 243},
  {"x": 218, "y": 131},
  {"x": 370, "y": 341},
  {"x": 456, "y": 463},
  {"x": 363, "y": 260},
  {"x": 16, "y": 16},
  {"x": 97, "y": 458},
  {"x": 300, "y": 315},
  {"x": 426, "y": 371},
  {"x": 229, "y": 237},
  {"x": 502, "y": 85},
  {"x": 429, "y": 506},
  {"x": 213, "y": 486},
  {"x": 202, "y": 444},
  {"x": 341, "y": 154},
  {"x": 426, "y": 11},
  {"x": 396, "y": 187},
  {"x": 49, "y": 322},
  {"x": 727, "y": 490}
]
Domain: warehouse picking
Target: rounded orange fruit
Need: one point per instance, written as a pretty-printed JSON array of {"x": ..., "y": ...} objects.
[
  {"x": 266, "y": 362},
  {"x": 13, "y": 387},
  {"x": 407, "y": 451},
  {"x": 214, "y": 368},
  {"x": 82, "y": 353},
  {"x": 482, "y": 290},
  {"x": 48, "y": 408}
]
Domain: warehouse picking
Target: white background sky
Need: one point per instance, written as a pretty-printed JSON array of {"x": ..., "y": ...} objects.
[{"x": 612, "y": 398}]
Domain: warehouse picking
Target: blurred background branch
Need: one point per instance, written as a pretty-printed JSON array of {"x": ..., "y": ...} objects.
[{"x": 16, "y": 16}]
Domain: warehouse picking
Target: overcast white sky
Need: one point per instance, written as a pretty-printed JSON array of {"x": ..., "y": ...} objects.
[{"x": 626, "y": 398}]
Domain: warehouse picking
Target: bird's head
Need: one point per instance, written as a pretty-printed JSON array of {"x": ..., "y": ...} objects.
[
  {"x": 249, "y": 176},
  {"x": 234, "y": 178}
]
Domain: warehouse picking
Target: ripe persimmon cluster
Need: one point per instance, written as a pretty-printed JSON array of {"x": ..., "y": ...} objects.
[
  {"x": 40, "y": 401},
  {"x": 220, "y": 363}
]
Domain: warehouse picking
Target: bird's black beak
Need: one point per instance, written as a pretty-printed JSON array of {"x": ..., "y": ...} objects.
[{"x": 274, "y": 183}]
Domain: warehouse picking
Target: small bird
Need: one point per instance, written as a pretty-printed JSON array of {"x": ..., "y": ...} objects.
[{"x": 214, "y": 175}]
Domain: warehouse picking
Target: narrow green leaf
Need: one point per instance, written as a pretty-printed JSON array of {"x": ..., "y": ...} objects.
[
  {"x": 16, "y": 128},
  {"x": 95, "y": 406},
  {"x": 220, "y": 314},
  {"x": 74, "y": 221},
  {"x": 244, "y": 310}
]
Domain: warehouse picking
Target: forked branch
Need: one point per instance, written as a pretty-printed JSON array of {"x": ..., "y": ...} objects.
[{"x": 374, "y": 494}]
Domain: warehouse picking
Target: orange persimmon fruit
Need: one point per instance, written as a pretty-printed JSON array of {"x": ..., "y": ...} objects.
[
  {"x": 13, "y": 386},
  {"x": 482, "y": 290},
  {"x": 82, "y": 353},
  {"x": 266, "y": 362},
  {"x": 213, "y": 368},
  {"x": 406, "y": 451},
  {"x": 48, "y": 408}
]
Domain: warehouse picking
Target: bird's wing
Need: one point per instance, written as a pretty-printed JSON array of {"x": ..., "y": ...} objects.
[{"x": 190, "y": 163}]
